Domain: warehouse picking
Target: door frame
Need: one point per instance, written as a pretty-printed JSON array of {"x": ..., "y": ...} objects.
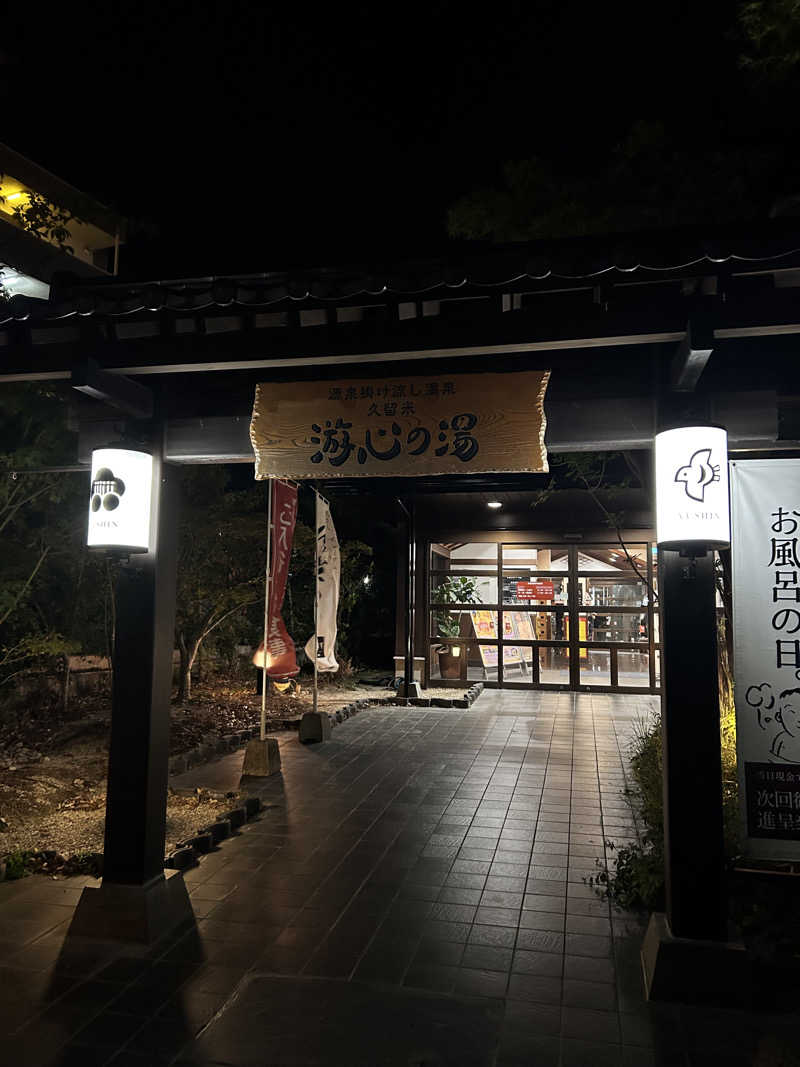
[{"x": 573, "y": 613}]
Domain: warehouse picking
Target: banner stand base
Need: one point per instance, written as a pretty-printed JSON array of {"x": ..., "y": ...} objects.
[
  {"x": 261, "y": 758},
  {"x": 315, "y": 726}
]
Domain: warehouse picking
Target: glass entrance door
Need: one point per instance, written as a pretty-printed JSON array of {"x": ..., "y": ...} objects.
[{"x": 522, "y": 615}]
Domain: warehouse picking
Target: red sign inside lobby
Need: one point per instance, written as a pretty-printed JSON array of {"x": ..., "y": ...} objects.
[{"x": 535, "y": 590}]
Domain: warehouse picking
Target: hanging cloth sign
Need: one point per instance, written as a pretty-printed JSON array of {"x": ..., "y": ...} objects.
[
  {"x": 405, "y": 426},
  {"x": 281, "y": 656},
  {"x": 765, "y": 499},
  {"x": 328, "y": 577}
]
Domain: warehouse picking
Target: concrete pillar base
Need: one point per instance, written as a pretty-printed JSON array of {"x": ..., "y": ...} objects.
[
  {"x": 315, "y": 726},
  {"x": 261, "y": 758},
  {"x": 693, "y": 971},
  {"x": 141, "y": 914}
]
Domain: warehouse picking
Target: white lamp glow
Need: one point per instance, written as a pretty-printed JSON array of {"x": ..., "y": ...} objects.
[
  {"x": 120, "y": 500},
  {"x": 692, "y": 507}
]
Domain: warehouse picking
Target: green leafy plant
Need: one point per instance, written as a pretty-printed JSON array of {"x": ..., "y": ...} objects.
[
  {"x": 771, "y": 29},
  {"x": 17, "y": 864},
  {"x": 453, "y": 590},
  {"x": 635, "y": 880},
  {"x": 38, "y": 215},
  {"x": 23, "y": 862}
]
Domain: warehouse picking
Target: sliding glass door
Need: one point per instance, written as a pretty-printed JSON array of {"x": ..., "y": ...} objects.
[{"x": 525, "y": 615}]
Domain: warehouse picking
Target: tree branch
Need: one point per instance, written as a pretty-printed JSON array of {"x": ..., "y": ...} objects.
[
  {"x": 12, "y": 511},
  {"x": 222, "y": 618},
  {"x": 611, "y": 521},
  {"x": 25, "y": 587}
]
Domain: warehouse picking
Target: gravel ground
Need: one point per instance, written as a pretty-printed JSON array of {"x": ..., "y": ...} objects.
[
  {"x": 71, "y": 830},
  {"x": 58, "y": 802},
  {"x": 53, "y": 769}
]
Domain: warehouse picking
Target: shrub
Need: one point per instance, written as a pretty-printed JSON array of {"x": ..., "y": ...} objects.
[
  {"x": 29, "y": 861},
  {"x": 17, "y": 864},
  {"x": 636, "y": 880}
]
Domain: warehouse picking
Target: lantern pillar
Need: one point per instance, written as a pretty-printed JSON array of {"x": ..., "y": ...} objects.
[
  {"x": 136, "y": 902},
  {"x": 683, "y": 954}
]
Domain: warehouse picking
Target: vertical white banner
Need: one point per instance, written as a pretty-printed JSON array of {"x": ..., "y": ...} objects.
[
  {"x": 328, "y": 577},
  {"x": 765, "y": 502}
]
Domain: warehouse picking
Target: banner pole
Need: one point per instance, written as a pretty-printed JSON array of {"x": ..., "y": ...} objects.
[
  {"x": 267, "y": 590},
  {"x": 316, "y": 596}
]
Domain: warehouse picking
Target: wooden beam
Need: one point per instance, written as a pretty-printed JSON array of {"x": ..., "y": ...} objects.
[
  {"x": 113, "y": 389},
  {"x": 553, "y": 328},
  {"x": 586, "y": 425},
  {"x": 692, "y": 354}
]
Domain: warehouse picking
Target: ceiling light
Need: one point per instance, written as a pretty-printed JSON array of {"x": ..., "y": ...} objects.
[{"x": 494, "y": 504}]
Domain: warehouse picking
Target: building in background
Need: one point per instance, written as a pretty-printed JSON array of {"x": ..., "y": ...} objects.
[
  {"x": 499, "y": 579},
  {"x": 86, "y": 244}
]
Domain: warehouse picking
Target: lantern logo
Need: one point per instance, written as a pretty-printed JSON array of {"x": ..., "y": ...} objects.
[
  {"x": 697, "y": 474},
  {"x": 106, "y": 490}
]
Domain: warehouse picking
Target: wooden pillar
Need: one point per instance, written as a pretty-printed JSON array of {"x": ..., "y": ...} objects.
[
  {"x": 141, "y": 696},
  {"x": 693, "y": 836},
  {"x": 135, "y": 901},
  {"x": 410, "y": 598}
]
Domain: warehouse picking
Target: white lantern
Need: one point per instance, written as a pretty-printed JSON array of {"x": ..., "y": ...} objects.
[
  {"x": 120, "y": 500},
  {"x": 692, "y": 509}
]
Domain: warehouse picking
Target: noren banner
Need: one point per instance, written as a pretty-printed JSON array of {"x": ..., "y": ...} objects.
[{"x": 281, "y": 655}]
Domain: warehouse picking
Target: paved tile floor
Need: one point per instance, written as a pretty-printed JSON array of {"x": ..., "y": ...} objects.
[{"x": 413, "y": 894}]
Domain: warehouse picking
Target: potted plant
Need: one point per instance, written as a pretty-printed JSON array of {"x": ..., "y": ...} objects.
[{"x": 452, "y": 590}]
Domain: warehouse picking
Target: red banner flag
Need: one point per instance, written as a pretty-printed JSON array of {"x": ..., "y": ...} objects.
[{"x": 281, "y": 657}]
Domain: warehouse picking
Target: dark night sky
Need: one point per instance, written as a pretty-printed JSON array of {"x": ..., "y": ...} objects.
[{"x": 257, "y": 138}]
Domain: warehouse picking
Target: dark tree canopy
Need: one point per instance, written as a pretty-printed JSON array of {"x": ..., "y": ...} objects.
[{"x": 728, "y": 163}]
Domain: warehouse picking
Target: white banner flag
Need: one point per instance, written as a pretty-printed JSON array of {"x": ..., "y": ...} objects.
[
  {"x": 765, "y": 502},
  {"x": 328, "y": 576}
]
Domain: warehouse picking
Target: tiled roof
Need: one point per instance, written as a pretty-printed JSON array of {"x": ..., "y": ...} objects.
[{"x": 773, "y": 244}]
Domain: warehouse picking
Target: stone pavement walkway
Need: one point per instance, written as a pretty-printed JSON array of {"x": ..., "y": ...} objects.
[{"x": 413, "y": 894}]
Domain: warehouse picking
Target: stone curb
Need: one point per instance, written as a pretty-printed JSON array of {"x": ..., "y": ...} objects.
[
  {"x": 181, "y": 859},
  {"x": 202, "y": 843},
  {"x": 464, "y": 702},
  {"x": 219, "y": 830},
  {"x": 236, "y": 817},
  {"x": 188, "y": 853},
  {"x": 212, "y": 746}
]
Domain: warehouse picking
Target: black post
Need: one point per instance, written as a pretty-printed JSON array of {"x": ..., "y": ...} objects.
[
  {"x": 410, "y": 599},
  {"x": 142, "y": 689},
  {"x": 693, "y": 837},
  {"x": 138, "y": 901},
  {"x": 260, "y": 672}
]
